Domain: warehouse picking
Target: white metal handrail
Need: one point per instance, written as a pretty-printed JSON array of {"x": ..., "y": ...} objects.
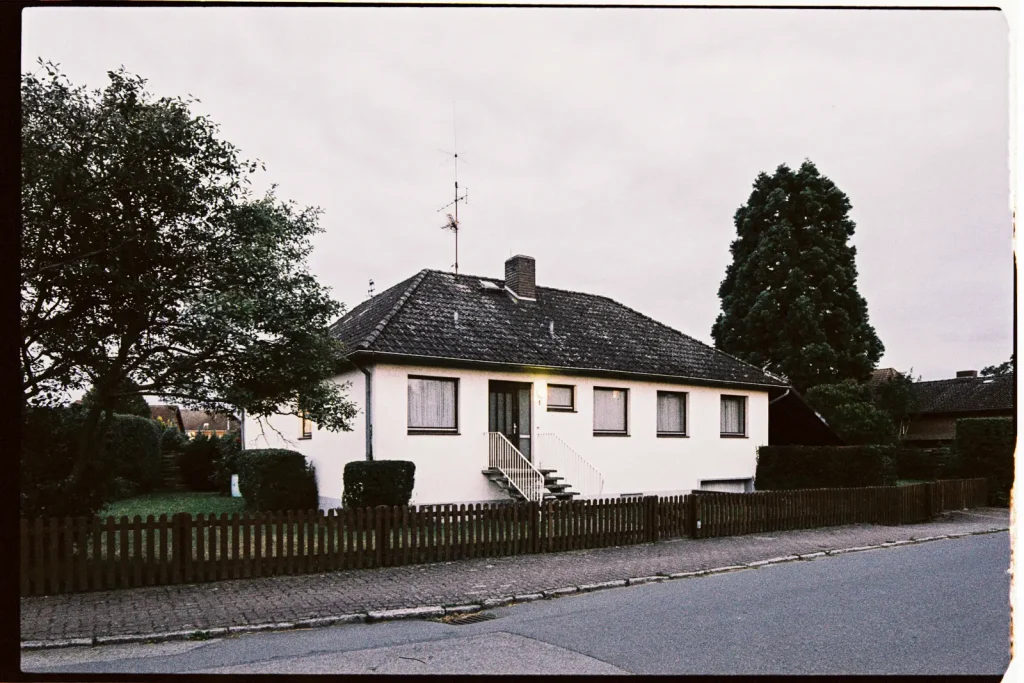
[
  {"x": 576, "y": 471},
  {"x": 520, "y": 472}
]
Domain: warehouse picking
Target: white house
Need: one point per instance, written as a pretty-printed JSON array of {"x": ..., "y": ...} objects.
[{"x": 500, "y": 388}]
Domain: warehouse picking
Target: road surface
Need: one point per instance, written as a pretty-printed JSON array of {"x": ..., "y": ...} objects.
[{"x": 934, "y": 608}]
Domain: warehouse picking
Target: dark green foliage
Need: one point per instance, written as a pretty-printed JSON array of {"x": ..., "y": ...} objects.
[
  {"x": 378, "y": 482},
  {"x": 806, "y": 467},
  {"x": 133, "y": 453},
  {"x": 172, "y": 439},
  {"x": 124, "y": 400},
  {"x": 198, "y": 461},
  {"x": 985, "y": 445},
  {"x": 275, "y": 479},
  {"x": 144, "y": 253},
  {"x": 789, "y": 298},
  {"x": 1003, "y": 368},
  {"x": 230, "y": 448},
  {"x": 48, "y": 443},
  {"x": 846, "y": 408},
  {"x": 895, "y": 397},
  {"x": 927, "y": 464}
]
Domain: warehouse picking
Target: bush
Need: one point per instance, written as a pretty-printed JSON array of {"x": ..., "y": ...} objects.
[
  {"x": 805, "y": 467},
  {"x": 49, "y": 442},
  {"x": 985, "y": 446},
  {"x": 229, "y": 448},
  {"x": 132, "y": 450},
  {"x": 273, "y": 479},
  {"x": 378, "y": 482},
  {"x": 198, "y": 461}
]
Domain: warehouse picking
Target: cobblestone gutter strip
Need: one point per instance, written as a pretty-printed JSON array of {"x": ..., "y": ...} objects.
[{"x": 435, "y": 611}]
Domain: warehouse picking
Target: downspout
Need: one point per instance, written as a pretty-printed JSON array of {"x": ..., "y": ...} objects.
[{"x": 368, "y": 372}]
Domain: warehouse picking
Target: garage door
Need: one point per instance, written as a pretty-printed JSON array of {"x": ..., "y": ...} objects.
[{"x": 728, "y": 485}]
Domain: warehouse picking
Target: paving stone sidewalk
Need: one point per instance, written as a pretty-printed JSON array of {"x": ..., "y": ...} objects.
[{"x": 244, "y": 602}]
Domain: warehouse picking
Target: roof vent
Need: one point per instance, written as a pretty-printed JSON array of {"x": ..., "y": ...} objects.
[
  {"x": 967, "y": 373},
  {"x": 489, "y": 286},
  {"x": 551, "y": 328}
]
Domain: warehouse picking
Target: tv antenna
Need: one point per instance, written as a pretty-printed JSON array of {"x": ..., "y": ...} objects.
[{"x": 453, "y": 220}]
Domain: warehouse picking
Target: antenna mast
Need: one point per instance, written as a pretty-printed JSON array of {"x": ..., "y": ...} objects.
[{"x": 453, "y": 221}]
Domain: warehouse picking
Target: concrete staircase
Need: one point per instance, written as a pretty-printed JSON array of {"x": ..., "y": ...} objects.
[{"x": 555, "y": 487}]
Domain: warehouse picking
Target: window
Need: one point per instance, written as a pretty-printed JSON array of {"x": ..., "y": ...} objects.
[
  {"x": 433, "y": 405},
  {"x": 306, "y": 427},
  {"x": 671, "y": 413},
  {"x": 734, "y": 416},
  {"x": 610, "y": 412},
  {"x": 561, "y": 397}
]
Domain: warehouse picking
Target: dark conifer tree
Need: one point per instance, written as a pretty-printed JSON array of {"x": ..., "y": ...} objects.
[{"x": 790, "y": 302}]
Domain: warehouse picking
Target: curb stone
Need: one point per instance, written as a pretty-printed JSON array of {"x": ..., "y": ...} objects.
[
  {"x": 773, "y": 560},
  {"x": 436, "y": 611},
  {"x": 588, "y": 587},
  {"x": 498, "y": 602},
  {"x": 644, "y": 579}
]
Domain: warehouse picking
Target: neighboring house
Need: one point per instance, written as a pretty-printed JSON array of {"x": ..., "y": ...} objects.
[
  {"x": 481, "y": 382},
  {"x": 211, "y": 424},
  {"x": 167, "y": 414},
  {"x": 940, "y": 403}
]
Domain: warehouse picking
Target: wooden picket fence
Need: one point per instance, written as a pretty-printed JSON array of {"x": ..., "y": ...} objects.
[{"x": 73, "y": 555}]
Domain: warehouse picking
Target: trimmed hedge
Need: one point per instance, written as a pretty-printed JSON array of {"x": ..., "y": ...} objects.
[
  {"x": 929, "y": 464},
  {"x": 985, "y": 445},
  {"x": 272, "y": 479},
  {"x": 807, "y": 467},
  {"x": 378, "y": 482},
  {"x": 132, "y": 450},
  {"x": 198, "y": 462}
]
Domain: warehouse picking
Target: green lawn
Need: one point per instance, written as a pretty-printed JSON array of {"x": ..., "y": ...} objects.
[{"x": 157, "y": 504}]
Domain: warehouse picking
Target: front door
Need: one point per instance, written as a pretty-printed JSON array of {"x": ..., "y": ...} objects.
[{"x": 509, "y": 413}]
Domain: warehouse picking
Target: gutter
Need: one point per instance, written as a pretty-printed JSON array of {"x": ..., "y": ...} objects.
[
  {"x": 779, "y": 398},
  {"x": 386, "y": 356}
]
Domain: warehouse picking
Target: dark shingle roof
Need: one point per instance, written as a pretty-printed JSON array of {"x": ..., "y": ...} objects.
[
  {"x": 195, "y": 419},
  {"x": 168, "y": 413},
  {"x": 417, "y": 318},
  {"x": 965, "y": 394}
]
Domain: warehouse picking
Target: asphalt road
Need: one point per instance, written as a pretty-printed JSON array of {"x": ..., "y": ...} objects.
[{"x": 935, "y": 608}]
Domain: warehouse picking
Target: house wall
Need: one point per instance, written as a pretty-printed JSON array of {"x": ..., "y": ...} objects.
[
  {"x": 448, "y": 466},
  {"x": 328, "y": 451}
]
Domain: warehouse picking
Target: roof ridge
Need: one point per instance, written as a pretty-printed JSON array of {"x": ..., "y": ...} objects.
[
  {"x": 960, "y": 379},
  {"x": 379, "y": 328}
]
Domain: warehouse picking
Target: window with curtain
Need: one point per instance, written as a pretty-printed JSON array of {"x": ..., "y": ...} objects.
[
  {"x": 610, "y": 411},
  {"x": 432, "y": 404},
  {"x": 560, "y": 397},
  {"x": 734, "y": 418},
  {"x": 671, "y": 413},
  {"x": 305, "y": 427}
]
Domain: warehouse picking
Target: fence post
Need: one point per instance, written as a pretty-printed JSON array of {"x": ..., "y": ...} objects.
[
  {"x": 690, "y": 503},
  {"x": 650, "y": 522},
  {"x": 181, "y": 523}
]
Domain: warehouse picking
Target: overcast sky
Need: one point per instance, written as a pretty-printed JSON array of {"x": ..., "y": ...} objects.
[{"x": 614, "y": 146}]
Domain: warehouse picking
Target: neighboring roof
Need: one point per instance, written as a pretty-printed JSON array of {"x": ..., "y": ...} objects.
[
  {"x": 195, "y": 419},
  {"x": 417, "y": 318},
  {"x": 793, "y": 422},
  {"x": 167, "y": 413},
  {"x": 882, "y": 375},
  {"x": 965, "y": 394}
]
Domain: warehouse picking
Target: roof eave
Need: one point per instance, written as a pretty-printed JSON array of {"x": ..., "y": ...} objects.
[{"x": 363, "y": 357}]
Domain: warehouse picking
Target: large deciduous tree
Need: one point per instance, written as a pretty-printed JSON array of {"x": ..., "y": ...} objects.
[
  {"x": 149, "y": 268},
  {"x": 790, "y": 302}
]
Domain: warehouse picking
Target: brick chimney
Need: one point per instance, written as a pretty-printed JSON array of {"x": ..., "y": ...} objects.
[
  {"x": 521, "y": 276},
  {"x": 966, "y": 373}
]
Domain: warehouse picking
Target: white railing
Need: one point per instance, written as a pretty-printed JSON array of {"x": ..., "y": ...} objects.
[
  {"x": 575, "y": 470},
  {"x": 520, "y": 472}
]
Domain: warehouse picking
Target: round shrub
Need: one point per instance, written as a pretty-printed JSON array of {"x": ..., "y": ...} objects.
[
  {"x": 378, "y": 482},
  {"x": 132, "y": 450},
  {"x": 272, "y": 479},
  {"x": 49, "y": 444}
]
